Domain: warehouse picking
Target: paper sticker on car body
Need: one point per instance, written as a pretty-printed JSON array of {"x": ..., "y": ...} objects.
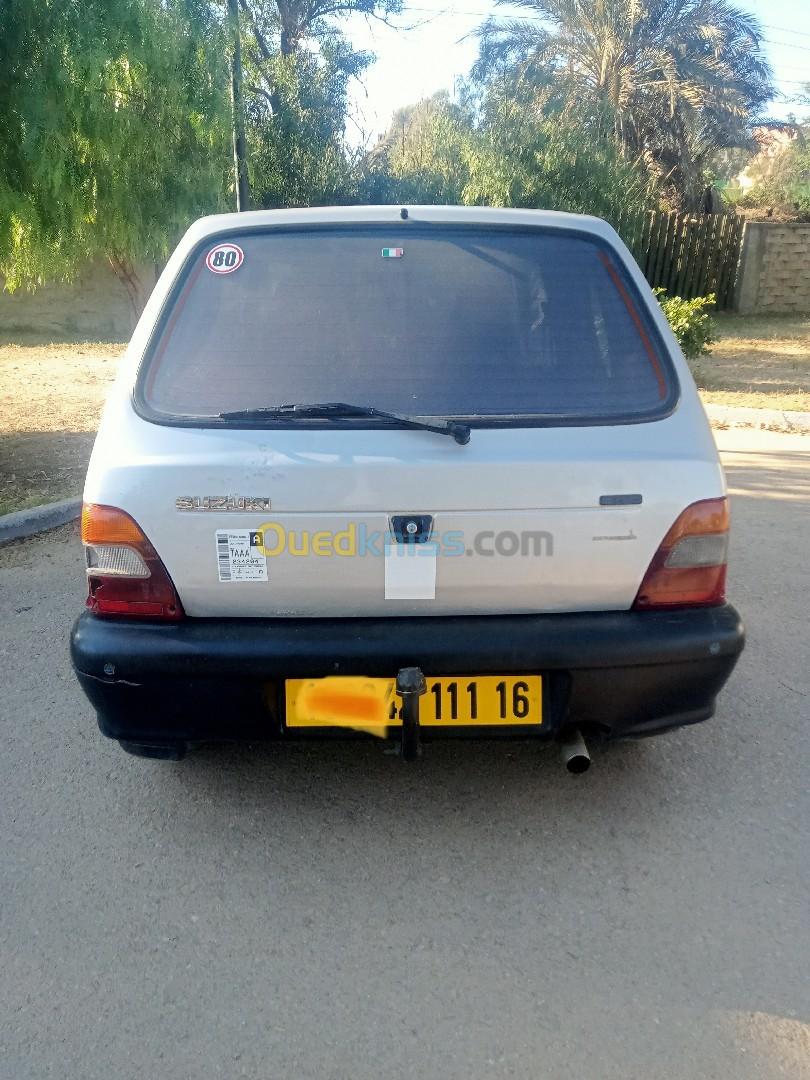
[{"x": 239, "y": 555}]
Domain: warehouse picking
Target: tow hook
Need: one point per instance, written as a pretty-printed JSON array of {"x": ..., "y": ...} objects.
[
  {"x": 410, "y": 687},
  {"x": 575, "y": 753}
]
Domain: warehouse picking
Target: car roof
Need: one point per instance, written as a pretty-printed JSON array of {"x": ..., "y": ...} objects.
[{"x": 349, "y": 215}]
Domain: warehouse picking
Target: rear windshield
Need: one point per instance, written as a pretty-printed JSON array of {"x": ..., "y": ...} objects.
[{"x": 479, "y": 322}]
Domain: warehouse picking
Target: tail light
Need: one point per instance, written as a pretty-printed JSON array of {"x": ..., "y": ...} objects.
[
  {"x": 124, "y": 573},
  {"x": 689, "y": 568}
]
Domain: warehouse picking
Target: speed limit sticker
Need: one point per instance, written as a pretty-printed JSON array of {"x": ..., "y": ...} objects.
[{"x": 224, "y": 258}]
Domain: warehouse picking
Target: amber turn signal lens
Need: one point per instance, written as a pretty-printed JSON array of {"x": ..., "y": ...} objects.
[{"x": 109, "y": 525}]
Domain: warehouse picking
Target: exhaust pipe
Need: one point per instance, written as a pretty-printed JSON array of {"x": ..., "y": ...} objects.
[{"x": 575, "y": 754}]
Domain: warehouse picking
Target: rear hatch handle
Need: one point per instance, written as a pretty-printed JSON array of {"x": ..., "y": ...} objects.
[{"x": 342, "y": 410}]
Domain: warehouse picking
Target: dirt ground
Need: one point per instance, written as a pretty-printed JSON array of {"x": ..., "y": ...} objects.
[
  {"x": 51, "y": 397},
  {"x": 758, "y": 361},
  {"x": 50, "y": 402}
]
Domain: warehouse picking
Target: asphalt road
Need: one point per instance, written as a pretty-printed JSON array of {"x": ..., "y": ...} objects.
[{"x": 327, "y": 912}]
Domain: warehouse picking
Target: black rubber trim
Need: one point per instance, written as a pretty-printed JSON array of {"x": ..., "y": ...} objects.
[{"x": 474, "y": 644}]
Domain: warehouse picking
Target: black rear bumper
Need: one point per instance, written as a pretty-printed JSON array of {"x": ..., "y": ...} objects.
[{"x": 613, "y": 674}]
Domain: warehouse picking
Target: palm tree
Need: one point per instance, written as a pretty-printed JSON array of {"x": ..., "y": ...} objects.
[{"x": 677, "y": 79}]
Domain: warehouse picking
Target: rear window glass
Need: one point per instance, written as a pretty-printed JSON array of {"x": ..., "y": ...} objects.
[{"x": 430, "y": 322}]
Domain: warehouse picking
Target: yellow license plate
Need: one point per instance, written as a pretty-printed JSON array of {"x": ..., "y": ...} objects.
[{"x": 450, "y": 701}]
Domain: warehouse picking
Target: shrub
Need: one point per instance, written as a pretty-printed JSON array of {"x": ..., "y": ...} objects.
[{"x": 690, "y": 322}]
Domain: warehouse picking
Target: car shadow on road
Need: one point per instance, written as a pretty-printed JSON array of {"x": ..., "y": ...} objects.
[{"x": 498, "y": 786}]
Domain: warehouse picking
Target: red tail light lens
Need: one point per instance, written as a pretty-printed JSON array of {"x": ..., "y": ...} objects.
[
  {"x": 125, "y": 575},
  {"x": 689, "y": 568}
]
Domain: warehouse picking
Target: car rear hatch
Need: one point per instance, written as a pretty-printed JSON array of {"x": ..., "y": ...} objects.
[{"x": 579, "y": 459}]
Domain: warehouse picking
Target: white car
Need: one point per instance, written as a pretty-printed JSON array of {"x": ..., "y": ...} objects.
[{"x": 407, "y": 472}]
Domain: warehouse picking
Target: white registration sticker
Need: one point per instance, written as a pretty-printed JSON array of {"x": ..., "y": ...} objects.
[
  {"x": 410, "y": 571},
  {"x": 240, "y": 556}
]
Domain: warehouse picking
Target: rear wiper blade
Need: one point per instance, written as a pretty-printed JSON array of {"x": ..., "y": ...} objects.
[{"x": 338, "y": 410}]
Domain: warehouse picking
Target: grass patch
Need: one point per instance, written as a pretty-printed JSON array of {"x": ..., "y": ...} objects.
[{"x": 758, "y": 361}]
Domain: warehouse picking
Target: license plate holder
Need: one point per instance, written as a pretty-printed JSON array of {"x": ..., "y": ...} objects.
[{"x": 450, "y": 701}]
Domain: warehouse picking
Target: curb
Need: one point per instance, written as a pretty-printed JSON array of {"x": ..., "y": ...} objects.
[
  {"x": 770, "y": 419},
  {"x": 38, "y": 519}
]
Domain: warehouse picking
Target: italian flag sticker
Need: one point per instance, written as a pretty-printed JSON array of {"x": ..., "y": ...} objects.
[{"x": 392, "y": 253}]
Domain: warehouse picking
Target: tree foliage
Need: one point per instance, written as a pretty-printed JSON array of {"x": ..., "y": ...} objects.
[
  {"x": 782, "y": 180},
  {"x": 501, "y": 153},
  {"x": 678, "y": 79},
  {"x": 115, "y": 117},
  {"x": 113, "y": 135},
  {"x": 298, "y": 69}
]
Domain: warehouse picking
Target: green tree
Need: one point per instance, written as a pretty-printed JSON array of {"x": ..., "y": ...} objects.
[
  {"x": 113, "y": 133},
  {"x": 298, "y": 68},
  {"x": 782, "y": 179},
  {"x": 497, "y": 152},
  {"x": 676, "y": 79},
  {"x": 424, "y": 156}
]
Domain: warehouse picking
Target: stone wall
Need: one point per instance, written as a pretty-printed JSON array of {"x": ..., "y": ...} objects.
[
  {"x": 94, "y": 307},
  {"x": 774, "y": 273}
]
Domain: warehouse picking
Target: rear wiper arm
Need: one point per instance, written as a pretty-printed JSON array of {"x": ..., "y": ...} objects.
[{"x": 338, "y": 410}]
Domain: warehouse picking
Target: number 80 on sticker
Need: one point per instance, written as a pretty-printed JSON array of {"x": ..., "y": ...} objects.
[{"x": 224, "y": 258}]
